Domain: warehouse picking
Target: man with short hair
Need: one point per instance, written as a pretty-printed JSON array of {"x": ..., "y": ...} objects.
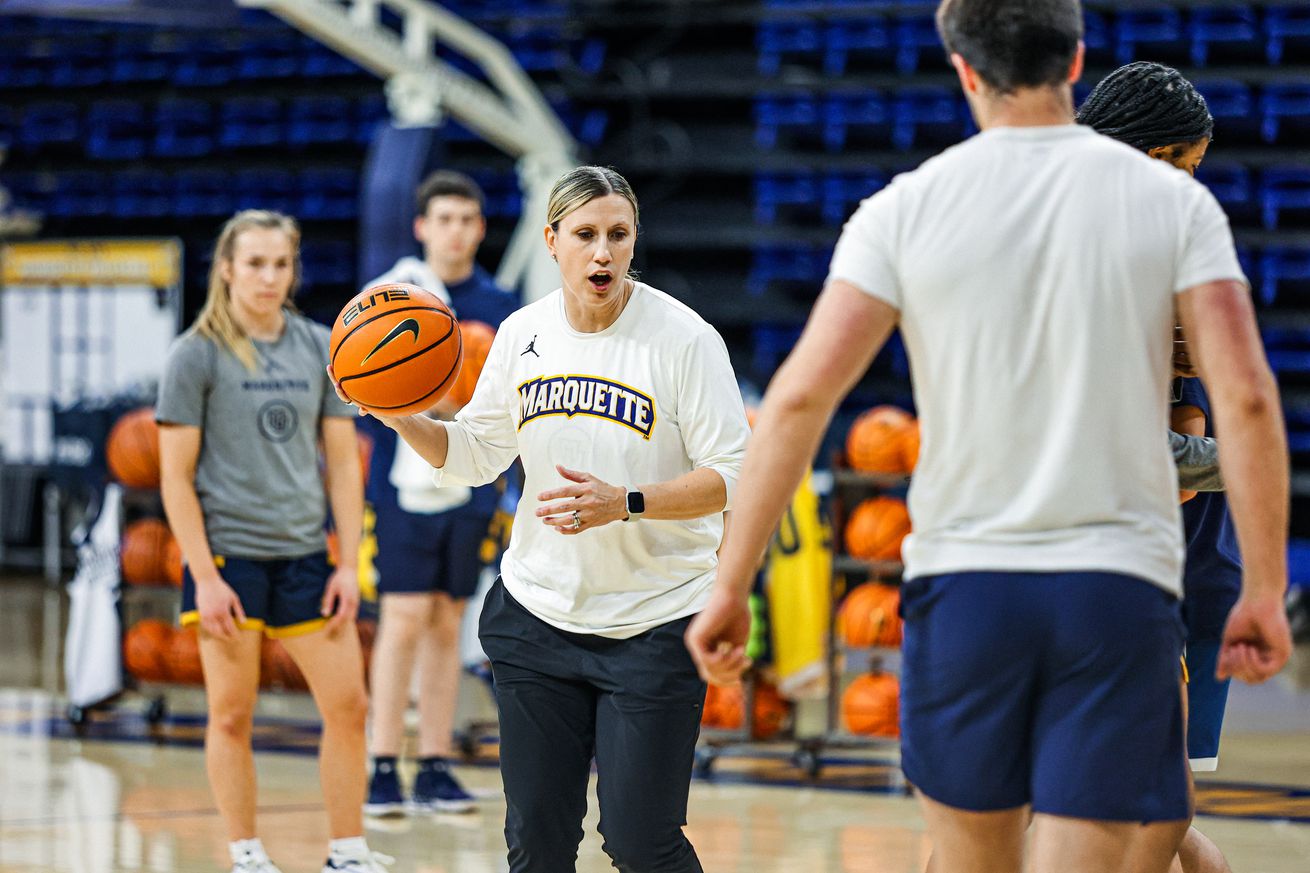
[
  {"x": 430, "y": 540},
  {"x": 1035, "y": 272}
]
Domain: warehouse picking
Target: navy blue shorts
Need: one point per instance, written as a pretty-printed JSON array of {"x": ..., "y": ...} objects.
[
  {"x": 420, "y": 554},
  {"x": 1206, "y": 699},
  {"x": 283, "y": 597},
  {"x": 1060, "y": 690}
]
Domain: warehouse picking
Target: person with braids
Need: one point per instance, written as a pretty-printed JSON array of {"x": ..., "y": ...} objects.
[
  {"x": 1036, "y": 272},
  {"x": 1155, "y": 110}
]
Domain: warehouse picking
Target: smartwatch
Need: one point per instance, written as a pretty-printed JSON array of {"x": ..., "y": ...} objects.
[{"x": 636, "y": 505}]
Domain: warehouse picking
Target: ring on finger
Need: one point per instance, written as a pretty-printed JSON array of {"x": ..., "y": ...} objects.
[{"x": 577, "y": 520}]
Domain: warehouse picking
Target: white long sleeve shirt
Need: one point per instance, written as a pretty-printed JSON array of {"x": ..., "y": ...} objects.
[{"x": 646, "y": 400}]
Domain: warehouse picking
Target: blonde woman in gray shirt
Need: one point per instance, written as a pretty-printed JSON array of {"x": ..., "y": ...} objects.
[{"x": 244, "y": 409}]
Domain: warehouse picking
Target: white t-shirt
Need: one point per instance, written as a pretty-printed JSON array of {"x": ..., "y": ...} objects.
[
  {"x": 646, "y": 400},
  {"x": 1034, "y": 270}
]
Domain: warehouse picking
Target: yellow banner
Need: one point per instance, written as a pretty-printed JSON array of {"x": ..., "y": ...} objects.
[{"x": 157, "y": 263}]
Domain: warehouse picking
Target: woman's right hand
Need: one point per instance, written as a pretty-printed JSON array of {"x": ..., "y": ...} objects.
[
  {"x": 220, "y": 609},
  {"x": 389, "y": 420}
]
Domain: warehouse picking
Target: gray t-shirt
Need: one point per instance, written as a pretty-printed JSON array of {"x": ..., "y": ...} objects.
[{"x": 258, "y": 474}]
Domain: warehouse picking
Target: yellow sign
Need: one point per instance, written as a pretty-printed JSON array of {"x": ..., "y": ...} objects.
[{"x": 157, "y": 263}]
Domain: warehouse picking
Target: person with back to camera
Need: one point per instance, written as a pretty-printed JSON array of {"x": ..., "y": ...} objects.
[
  {"x": 622, "y": 404},
  {"x": 429, "y": 539},
  {"x": 1036, "y": 272},
  {"x": 243, "y": 411}
]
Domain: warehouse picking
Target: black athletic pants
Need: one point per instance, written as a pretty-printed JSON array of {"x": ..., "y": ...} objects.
[{"x": 564, "y": 698}]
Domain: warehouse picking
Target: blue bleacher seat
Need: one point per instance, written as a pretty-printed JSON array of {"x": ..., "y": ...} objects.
[
  {"x": 270, "y": 55},
  {"x": 776, "y": 190},
  {"x": 1097, "y": 38},
  {"x": 142, "y": 194},
  {"x": 1283, "y": 188},
  {"x": 44, "y": 124},
  {"x": 1147, "y": 32},
  {"x": 79, "y": 63},
  {"x": 204, "y": 64},
  {"x": 770, "y": 344},
  {"x": 250, "y": 122},
  {"x": 319, "y": 62},
  {"x": 1233, "y": 105},
  {"x": 538, "y": 49},
  {"x": 589, "y": 55},
  {"x": 914, "y": 35},
  {"x": 868, "y": 36},
  {"x": 183, "y": 129},
  {"x": 80, "y": 195},
  {"x": 1232, "y": 186},
  {"x": 116, "y": 130},
  {"x": 1231, "y": 27},
  {"x": 841, "y": 191},
  {"x": 265, "y": 189},
  {"x": 202, "y": 193},
  {"x": 1281, "y": 265},
  {"x": 314, "y": 120},
  {"x": 501, "y": 192},
  {"x": 786, "y": 263},
  {"x": 1288, "y": 350},
  {"x": 329, "y": 194},
  {"x": 776, "y": 113},
  {"x": 865, "y": 111},
  {"x": 134, "y": 59},
  {"x": 369, "y": 112},
  {"x": 1285, "y": 24},
  {"x": 1283, "y": 107},
  {"x": 929, "y": 112},
  {"x": 777, "y": 40},
  {"x": 328, "y": 263}
]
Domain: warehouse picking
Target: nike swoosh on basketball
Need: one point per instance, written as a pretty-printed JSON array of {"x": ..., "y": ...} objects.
[{"x": 409, "y": 325}]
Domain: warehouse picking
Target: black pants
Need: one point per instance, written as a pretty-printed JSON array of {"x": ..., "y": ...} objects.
[{"x": 564, "y": 698}]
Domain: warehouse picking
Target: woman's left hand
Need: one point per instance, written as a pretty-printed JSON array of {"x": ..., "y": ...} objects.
[
  {"x": 341, "y": 599},
  {"x": 587, "y": 504}
]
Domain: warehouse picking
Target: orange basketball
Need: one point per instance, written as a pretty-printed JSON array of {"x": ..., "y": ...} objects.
[
  {"x": 876, "y": 529},
  {"x": 173, "y": 561},
  {"x": 910, "y": 446},
  {"x": 396, "y": 349},
  {"x": 874, "y": 442},
  {"x": 871, "y": 706},
  {"x": 184, "y": 658},
  {"x": 132, "y": 449},
  {"x": 146, "y": 649},
  {"x": 476, "y": 338},
  {"x": 144, "y": 552},
  {"x": 868, "y": 616},
  {"x": 727, "y": 709}
]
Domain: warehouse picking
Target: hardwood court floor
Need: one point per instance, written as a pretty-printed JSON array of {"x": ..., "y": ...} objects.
[{"x": 126, "y": 798}]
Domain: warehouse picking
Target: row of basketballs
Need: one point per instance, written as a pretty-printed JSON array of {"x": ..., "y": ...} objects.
[
  {"x": 870, "y": 707},
  {"x": 156, "y": 651}
]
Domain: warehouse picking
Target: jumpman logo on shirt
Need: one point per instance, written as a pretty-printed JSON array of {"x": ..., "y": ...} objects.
[{"x": 532, "y": 347}]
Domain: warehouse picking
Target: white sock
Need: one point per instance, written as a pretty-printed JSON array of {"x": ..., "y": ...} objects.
[
  {"x": 349, "y": 847},
  {"x": 240, "y": 848}
]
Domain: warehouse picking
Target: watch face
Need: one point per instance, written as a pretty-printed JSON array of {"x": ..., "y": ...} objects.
[{"x": 636, "y": 503}]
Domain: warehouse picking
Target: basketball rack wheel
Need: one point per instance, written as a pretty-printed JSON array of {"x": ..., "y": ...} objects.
[
  {"x": 807, "y": 759},
  {"x": 703, "y": 763}
]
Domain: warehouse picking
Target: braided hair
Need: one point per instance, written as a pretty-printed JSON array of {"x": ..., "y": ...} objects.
[{"x": 1147, "y": 105}]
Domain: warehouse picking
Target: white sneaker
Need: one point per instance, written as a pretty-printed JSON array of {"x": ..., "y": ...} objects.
[
  {"x": 253, "y": 862},
  {"x": 370, "y": 862}
]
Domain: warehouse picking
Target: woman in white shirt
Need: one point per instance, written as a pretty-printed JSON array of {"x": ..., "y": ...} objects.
[{"x": 623, "y": 406}]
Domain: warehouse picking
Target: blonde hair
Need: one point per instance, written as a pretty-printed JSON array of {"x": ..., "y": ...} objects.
[
  {"x": 216, "y": 320},
  {"x": 580, "y": 186}
]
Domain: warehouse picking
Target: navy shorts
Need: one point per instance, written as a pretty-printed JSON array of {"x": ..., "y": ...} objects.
[
  {"x": 283, "y": 597},
  {"x": 421, "y": 554},
  {"x": 1206, "y": 699},
  {"x": 1059, "y": 690}
]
